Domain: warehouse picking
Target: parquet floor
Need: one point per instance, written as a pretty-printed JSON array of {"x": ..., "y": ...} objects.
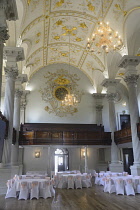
[{"x": 81, "y": 199}]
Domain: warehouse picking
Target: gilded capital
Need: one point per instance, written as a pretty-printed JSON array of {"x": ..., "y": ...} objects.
[
  {"x": 18, "y": 93},
  {"x": 3, "y": 34},
  {"x": 11, "y": 73},
  {"x": 128, "y": 60},
  {"x": 98, "y": 95},
  {"x": 110, "y": 82},
  {"x": 111, "y": 96},
  {"x": 13, "y": 54},
  {"x": 99, "y": 108},
  {"x": 131, "y": 79}
]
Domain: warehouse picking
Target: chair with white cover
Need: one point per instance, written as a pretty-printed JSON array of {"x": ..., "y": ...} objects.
[
  {"x": 106, "y": 184},
  {"x": 101, "y": 176},
  {"x": 52, "y": 190},
  {"x": 62, "y": 183},
  {"x": 111, "y": 186},
  {"x": 34, "y": 190},
  {"x": 56, "y": 181},
  {"x": 44, "y": 190},
  {"x": 11, "y": 191},
  {"x": 78, "y": 182},
  {"x": 137, "y": 185},
  {"x": 97, "y": 179},
  {"x": 119, "y": 183},
  {"x": 70, "y": 182},
  {"x": 24, "y": 191},
  {"x": 129, "y": 189},
  {"x": 88, "y": 179}
]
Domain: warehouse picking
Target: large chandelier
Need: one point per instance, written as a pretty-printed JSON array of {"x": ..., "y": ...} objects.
[
  {"x": 104, "y": 38},
  {"x": 70, "y": 99}
]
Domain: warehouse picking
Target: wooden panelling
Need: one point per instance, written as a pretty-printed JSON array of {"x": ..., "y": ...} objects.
[
  {"x": 68, "y": 136},
  {"x": 123, "y": 136}
]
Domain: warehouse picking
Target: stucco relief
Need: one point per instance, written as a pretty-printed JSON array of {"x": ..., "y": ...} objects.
[{"x": 57, "y": 85}]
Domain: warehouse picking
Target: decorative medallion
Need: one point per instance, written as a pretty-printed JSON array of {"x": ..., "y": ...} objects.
[
  {"x": 60, "y": 93},
  {"x": 59, "y": 84}
]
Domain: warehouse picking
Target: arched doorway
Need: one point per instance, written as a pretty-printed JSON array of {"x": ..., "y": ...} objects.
[{"x": 61, "y": 160}]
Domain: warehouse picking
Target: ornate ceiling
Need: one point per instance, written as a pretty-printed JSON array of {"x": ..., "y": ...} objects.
[{"x": 56, "y": 31}]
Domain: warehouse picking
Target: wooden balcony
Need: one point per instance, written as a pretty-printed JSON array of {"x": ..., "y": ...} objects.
[
  {"x": 123, "y": 136},
  {"x": 63, "y": 134}
]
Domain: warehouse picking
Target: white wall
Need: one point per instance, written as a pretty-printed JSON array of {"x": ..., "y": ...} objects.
[
  {"x": 46, "y": 162},
  {"x": 35, "y": 112}
]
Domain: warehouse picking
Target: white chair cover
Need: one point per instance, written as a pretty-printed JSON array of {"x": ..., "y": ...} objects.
[
  {"x": 129, "y": 189},
  {"x": 111, "y": 186},
  {"x": 88, "y": 179},
  {"x": 137, "y": 187},
  {"x": 119, "y": 183},
  {"x": 78, "y": 182},
  {"x": 44, "y": 190},
  {"x": 24, "y": 191},
  {"x": 52, "y": 190},
  {"x": 56, "y": 181},
  {"x": 70, "y": 182},
  {"x": 11, "y": 191},
  {"x": 97, "y": 179},
  {"x": 34, "y": 190},
  {"x": 106, "y": 185},
  {"x": 62, "y": 183}
]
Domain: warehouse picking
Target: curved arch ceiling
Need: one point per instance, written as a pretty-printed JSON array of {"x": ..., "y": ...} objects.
[{"x": 57, "y": 31}]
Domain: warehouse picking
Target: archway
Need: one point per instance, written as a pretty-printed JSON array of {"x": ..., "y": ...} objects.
[{"x": 61, "y": 160}]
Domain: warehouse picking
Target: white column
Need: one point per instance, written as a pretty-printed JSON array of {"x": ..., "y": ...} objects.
[
  {"x": 112, "y": 119},
  {"x": 23, "y": 106},
  {"x": 16, "y": 125},
  {"x": 3, "y": 37},
  {"x": 11, "y": 75},
  {"x": 131, "y": 77},
  {"x": 8, "y": 11},
  {"x": 16, "y": 121},
  {"x": 86, "y": 164},
  {"x": 99, "y": 107},
  {"x": 13, "y": 55},
  {"x": 111, "y": 84}
]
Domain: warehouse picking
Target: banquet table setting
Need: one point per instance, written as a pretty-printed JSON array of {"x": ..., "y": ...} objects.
[
  {"x": 119, "y": 183},
  {"x": 37, "y": 185},
  {"x": 30, "y": 186},
  {"x": 72, "y": 180}
]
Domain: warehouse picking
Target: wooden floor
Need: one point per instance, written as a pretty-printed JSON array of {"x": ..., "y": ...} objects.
[{"x": 81, "y": 199}]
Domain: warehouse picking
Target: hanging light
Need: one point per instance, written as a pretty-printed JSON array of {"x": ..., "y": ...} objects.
[
  {"x": 104, "y": 38},
  {"x": 70, "y": 99}
]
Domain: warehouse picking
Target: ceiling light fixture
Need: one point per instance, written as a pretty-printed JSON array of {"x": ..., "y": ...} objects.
[
  {"x": 104, "y": 38},
  {"x": 70, "y": 99}
]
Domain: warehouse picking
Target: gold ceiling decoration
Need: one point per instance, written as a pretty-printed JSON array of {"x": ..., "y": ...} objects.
[
  {"x": 105, "y": 39},
  {"x": 118, "y": 7},
  {"x": 61, "y": 80},
  {"x": 57, "y": 86},
  {"x": 28, "y": 2}
]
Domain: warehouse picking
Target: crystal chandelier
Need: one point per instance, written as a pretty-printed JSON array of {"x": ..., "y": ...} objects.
[
  {"x": 105, "y": 38},
  {"x": 70, "y": 99}
]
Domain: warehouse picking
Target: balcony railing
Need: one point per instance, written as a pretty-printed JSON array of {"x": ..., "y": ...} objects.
[{"x": 67, "y": 134}]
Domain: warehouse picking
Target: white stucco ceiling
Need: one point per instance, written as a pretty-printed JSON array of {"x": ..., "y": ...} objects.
[{"x": 43, "y": 28}]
